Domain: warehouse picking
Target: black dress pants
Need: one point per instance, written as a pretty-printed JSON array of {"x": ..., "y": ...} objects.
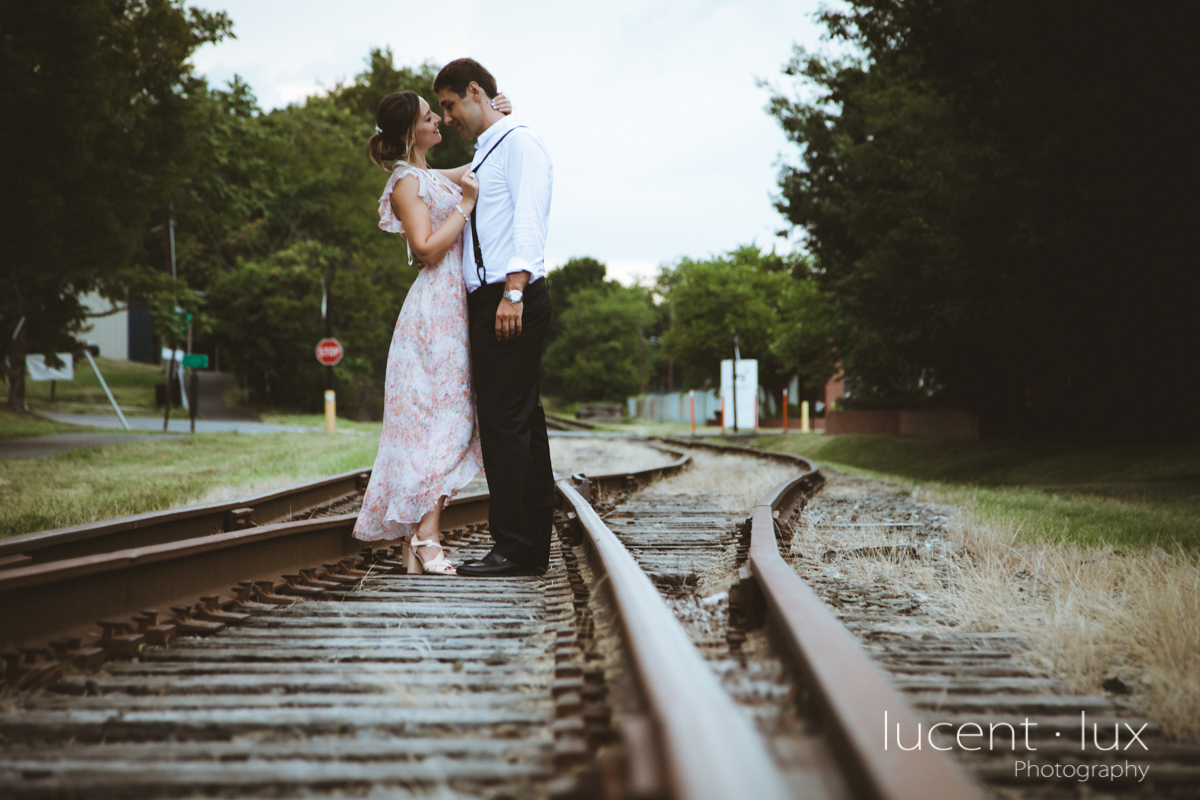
[{"x": 512, "y": 424}]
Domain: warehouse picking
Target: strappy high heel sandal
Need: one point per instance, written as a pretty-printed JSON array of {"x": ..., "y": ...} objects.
[{"x": 414, "y": 564}]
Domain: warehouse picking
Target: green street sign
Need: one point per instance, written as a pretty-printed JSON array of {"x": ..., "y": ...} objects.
[{"x": 195, "y": 362}]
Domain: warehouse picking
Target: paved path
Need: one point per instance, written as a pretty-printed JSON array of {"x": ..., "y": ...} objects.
[{"x": 46, "y": 446}]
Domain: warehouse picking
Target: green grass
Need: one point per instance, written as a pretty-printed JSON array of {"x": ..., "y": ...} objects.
[
  {"x": 101, "y": 483},
  {"x": 318, "y": 421},
  {"x": 131, "y": 383},
  {"x": 20, "y": 426},
  {"x": 1124, "y": 495}
]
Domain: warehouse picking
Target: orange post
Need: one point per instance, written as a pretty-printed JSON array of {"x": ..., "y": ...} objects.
[
  {"x": 692, "y": 403},
  {"x": 785, "y": 410}
]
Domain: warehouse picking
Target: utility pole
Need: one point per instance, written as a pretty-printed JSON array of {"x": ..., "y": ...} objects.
[
  {"x": 325, "y": 292},
  {"x": 195, "y": 386},
  {"x": 733, "y": 383},
  {"x": 171, "y": 236},
  {"x": 641, "y": 362},
  {"x": 671, "y": 362},
  {"x": 330, "y": 395}
]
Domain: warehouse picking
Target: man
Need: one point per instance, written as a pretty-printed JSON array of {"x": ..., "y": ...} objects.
[{"x": 509, "y": 309}]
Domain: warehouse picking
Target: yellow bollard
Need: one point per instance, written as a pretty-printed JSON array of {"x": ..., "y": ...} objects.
[
  {"x": 804, "y": 416},
  {"x": 330, "y": 411}
]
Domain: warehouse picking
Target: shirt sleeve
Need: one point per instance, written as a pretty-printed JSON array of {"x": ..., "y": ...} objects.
[{"x": 530, "y": 177}]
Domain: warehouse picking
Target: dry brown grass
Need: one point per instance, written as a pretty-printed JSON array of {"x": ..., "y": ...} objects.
[
  {"x": 1093, "y": 613},
  {"x": 1090, "y": 613}
]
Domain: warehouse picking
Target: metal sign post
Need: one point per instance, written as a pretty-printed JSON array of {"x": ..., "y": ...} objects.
[
  {"x": 194, "y": 362},
  {"x": 692, "y": 404},
  {"x": 329, "y": 353},
  {"x": 117, "y": 408},
  {"x": 735, "y": 373}
]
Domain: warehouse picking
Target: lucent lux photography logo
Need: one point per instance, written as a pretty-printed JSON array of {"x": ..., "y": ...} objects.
[{"x": 1093, "y": 738}]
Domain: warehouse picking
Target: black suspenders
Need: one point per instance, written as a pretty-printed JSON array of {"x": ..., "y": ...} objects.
[{"x": 480, "y": 272}]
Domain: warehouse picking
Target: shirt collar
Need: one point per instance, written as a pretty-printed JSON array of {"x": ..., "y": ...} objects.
[{"x": 497, "y": 129}]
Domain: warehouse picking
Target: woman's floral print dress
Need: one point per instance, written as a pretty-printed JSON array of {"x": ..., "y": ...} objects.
[{"x": 430, "y": 442}]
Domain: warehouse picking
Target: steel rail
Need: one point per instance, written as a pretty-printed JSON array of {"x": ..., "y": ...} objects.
[
  {"x": 628, "y": 481},
  {"x": 850, "y": 693},
  {"x": 555, "y": 422},
  {"x": 159, "y": 527},
  {"x": 72, "y": 577},
  {"x": 41, "y": 602},
  {"x": 712, "y": 749}
]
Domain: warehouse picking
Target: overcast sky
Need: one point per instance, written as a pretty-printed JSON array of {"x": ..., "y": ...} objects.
[{"x": 651, "y": 112}]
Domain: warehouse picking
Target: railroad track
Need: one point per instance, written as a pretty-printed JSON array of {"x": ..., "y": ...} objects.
[
  {"x": 967, "y": 681},
  {"x": 326, "y": 671}
]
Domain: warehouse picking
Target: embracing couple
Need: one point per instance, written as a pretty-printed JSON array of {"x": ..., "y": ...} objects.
[{"x": 462, "y": 374}]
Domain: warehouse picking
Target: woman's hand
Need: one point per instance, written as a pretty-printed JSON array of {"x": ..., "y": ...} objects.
[
  {"x": 470, "y": 191},
  {"x": 501, "y": 104}
]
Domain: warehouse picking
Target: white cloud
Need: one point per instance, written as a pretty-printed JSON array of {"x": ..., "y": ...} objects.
[{"x": 660, "y": 142}]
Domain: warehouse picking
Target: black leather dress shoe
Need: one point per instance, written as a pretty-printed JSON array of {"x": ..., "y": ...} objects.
[{"x": 493, "y": 565}]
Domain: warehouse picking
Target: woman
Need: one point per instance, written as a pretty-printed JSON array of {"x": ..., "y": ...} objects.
[{"x": 430, "y": 443}]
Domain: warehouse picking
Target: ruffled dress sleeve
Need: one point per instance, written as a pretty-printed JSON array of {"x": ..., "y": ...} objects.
[{"x": 388, "y": 221}]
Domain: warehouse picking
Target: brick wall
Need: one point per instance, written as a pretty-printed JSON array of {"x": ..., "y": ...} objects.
[{"x": 941, "y": 423}]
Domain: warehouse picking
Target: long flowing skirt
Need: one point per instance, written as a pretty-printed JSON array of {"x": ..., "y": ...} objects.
[{"x": 430, "y": 442}]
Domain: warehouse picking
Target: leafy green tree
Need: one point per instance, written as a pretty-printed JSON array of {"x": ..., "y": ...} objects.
[
  {"x": 744, "y": 293},
  {"x": 988, "y": 194},
  {"x": 270, "y": 321},
  {"x": 594, "y": 357},
  {"x": 97, "y": 97},
  {"x": 565, "y": 282}
]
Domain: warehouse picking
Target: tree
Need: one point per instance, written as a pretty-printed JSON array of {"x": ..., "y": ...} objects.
[
  {"x": 742, "y": 292},
  {"x": 988, "y": 195},
  {"x": 564, "y": 283},
  {"x": 98, "y": 97},
  {"x": 594, "y": 357},
  {"x": 270, "y": 321}
]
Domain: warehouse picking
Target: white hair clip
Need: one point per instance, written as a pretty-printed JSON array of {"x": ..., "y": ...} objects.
[{"x": 378, "y": 129}]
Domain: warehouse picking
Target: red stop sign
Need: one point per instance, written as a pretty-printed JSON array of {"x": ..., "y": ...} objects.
[{"x": 329, "y": 352}]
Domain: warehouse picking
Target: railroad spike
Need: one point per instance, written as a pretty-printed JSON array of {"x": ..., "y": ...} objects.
[{"x": 118, "y": 638}]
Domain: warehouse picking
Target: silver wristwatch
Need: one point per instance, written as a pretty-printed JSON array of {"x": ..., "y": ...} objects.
[{"x": 514, "y": 296}]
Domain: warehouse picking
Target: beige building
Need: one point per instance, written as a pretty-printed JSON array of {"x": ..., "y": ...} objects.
[{"x": 123, "y": 334}]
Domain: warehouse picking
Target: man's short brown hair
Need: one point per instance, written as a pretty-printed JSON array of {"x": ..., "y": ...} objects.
[{"x": 459, "y": 73}]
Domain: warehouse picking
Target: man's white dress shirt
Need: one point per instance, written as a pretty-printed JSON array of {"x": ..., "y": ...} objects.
[{"x": 513, "y": 210}]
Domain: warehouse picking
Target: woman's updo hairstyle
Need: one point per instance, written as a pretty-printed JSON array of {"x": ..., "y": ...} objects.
[{"x": 396, "y": 122}]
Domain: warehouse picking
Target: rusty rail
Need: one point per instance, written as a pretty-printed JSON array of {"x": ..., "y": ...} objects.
[
  {"x": 711, "y": 748},
  {"x": 160, "y": 527},
  {"x": 58, "y": 583},
  {"x": 850, "y": 693},
  {"x": 630, "y": 481},
  {"x": 557, "y": 423},
  {"x": 42, "y": 602}
]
